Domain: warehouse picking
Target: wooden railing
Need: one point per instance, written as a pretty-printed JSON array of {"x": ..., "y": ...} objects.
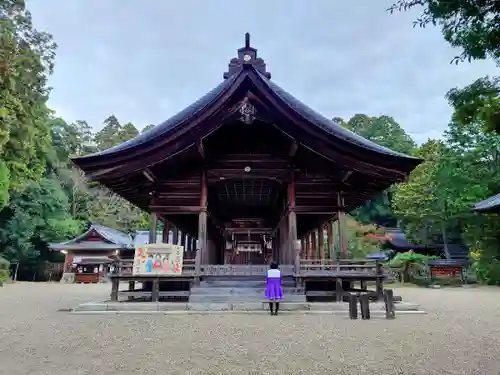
[
  {"x": 242, "y": 270},
  {"x": 343, "y": 265},
  {"x": 124, "y": 268}
]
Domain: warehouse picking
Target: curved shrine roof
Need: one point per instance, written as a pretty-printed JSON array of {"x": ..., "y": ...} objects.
[
  {"x": 111, "y": 239},
  {"x": 296, "y": 105},
  {"x": 247, "y": 74}
]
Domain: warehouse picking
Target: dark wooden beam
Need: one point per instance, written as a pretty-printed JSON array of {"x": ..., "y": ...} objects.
[
  {"x": 255, "y": 170},
  {"x": 179, "y": 185},
  {"x": 310, "y": 195},
  {"x": 303, "y": 208},
  {"x": 153, "y": 223},
  {"x": 149, "y": 175},
  {"x": 178, "y": 194},
  {"x": 201, "y": 149},
  {"x": 346, "y": 176},
  {"x": 177, "y": 210},
  {"x": 293, "y": 149}
]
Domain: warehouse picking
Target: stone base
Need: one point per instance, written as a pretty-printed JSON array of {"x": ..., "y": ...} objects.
[
  {"x": 145, "y": 307},
  {"x": 67, "y": 278}
]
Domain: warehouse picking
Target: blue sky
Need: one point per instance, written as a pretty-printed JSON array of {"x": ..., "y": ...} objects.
[{"x": 145, "y": 60}]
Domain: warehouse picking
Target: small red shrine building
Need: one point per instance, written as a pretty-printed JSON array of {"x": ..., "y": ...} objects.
[{"x": 89, "y": 257}]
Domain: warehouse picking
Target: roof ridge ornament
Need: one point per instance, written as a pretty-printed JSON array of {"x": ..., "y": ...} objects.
[{"x": 247, "y": 55}]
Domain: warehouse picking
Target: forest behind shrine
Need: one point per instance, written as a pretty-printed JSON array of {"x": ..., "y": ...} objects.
[{"x": 44, "y": 198}]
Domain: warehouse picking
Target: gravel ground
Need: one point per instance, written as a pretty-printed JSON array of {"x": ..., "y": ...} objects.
[{"x": 459, "y": 335}]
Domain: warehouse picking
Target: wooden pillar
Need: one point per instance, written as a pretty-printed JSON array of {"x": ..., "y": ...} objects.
[
  {"x": 193, "y": 248},
  {"x": 303, "y": 246},
  {"x": 155, "y": 292},
  {"x": 314, "y": 248},
  {"x": 379, "y": 283},
  {"x": 153, "y": 223},
  {"x": 187, "y": 248},
  {"x": 183, "y": 240},
  {"x": 166, "y": 231},
  {"x": 341, "y": 226},
  {"x": 278, "y": 244},
  {"x": 321, "y": 242},
  {"x": 175, "y": 235},
  {"x": 283, "y": 248},
  {"x": 292, "y": 226},
  {"x": 331, "y": 246},
  {"x": 309, "y": 246},
  {"x": 201, "y": 251},
  {"x": 115, "y": 284},
  {"x": 131, "y": 288}
]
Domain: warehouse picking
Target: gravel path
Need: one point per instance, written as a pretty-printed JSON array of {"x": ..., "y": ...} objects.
[{"x": 460, "y": 335}]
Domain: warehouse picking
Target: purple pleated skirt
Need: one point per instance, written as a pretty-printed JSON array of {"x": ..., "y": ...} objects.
[{"x": 274, "y": 290}]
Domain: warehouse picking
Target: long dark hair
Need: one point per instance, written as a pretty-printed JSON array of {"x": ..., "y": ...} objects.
[{"x": 274, "y": 265}]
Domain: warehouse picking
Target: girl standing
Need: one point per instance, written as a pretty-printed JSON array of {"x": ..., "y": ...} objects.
[{"x": 274, "y": 290}]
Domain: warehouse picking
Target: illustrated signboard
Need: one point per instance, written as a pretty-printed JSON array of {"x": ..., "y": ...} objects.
[{"x": 158, "y": 259}]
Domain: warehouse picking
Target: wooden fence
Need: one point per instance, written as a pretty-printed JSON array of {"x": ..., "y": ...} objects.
[{"x": 124, "y": 268}]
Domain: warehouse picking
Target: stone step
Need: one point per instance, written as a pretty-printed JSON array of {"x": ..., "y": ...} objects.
[
  {"x": 245, "y": 306},
  {"x": 235, "y": 298},
  {"x": 233, "y": 306}
]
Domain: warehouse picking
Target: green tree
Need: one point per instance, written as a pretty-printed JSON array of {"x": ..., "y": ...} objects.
[
  {"x": 435, "y": 203},
  {"x": 416, "y": 202},
  {"x": 473, "y": 27},
  {"x": 4, "y": 271},
  {"x": 35, "y": 217},
  {"x": 385, "y": 131},
  {"x": 478, "y": 102},
  {"x": 127, "y": 131},
  {"x": 26, "y": 58},
  {"x": 73, "y": 139},
  {"x": 114, "y": 133},
  {"x": 360, "y": 245},
  {"x": 147, "y": 128},
  {"x": 103, "y": 206},
  {"x": 470, "y": 25}
]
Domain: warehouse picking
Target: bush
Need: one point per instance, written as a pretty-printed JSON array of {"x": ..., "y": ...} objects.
[
  {"x": 487, "y": 272},
  {"x": 412, "y": 267},
  {"x": 4, "y": 271},
  {"x": 410, "y": 257}
]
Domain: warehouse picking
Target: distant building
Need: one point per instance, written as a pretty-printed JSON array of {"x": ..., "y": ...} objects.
[{"x": 489, "y": 205}]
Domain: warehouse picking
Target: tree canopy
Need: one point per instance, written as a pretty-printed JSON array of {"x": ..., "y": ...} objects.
[
  {"x": 385, "y": 131},
  {"x": 435, "y": 204},
  {"x": 473, "y": 27},
  {"x": 26, "y": 59}
]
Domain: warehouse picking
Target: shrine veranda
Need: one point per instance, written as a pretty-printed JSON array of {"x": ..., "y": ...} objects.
[{"x": 245, "y": 175}]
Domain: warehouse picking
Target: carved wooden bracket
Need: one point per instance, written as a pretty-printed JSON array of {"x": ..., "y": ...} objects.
[{"x": 247, "y": 111}]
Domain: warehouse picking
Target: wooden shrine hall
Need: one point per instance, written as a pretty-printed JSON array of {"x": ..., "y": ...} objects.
[{"x": 251, "y": 174}]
